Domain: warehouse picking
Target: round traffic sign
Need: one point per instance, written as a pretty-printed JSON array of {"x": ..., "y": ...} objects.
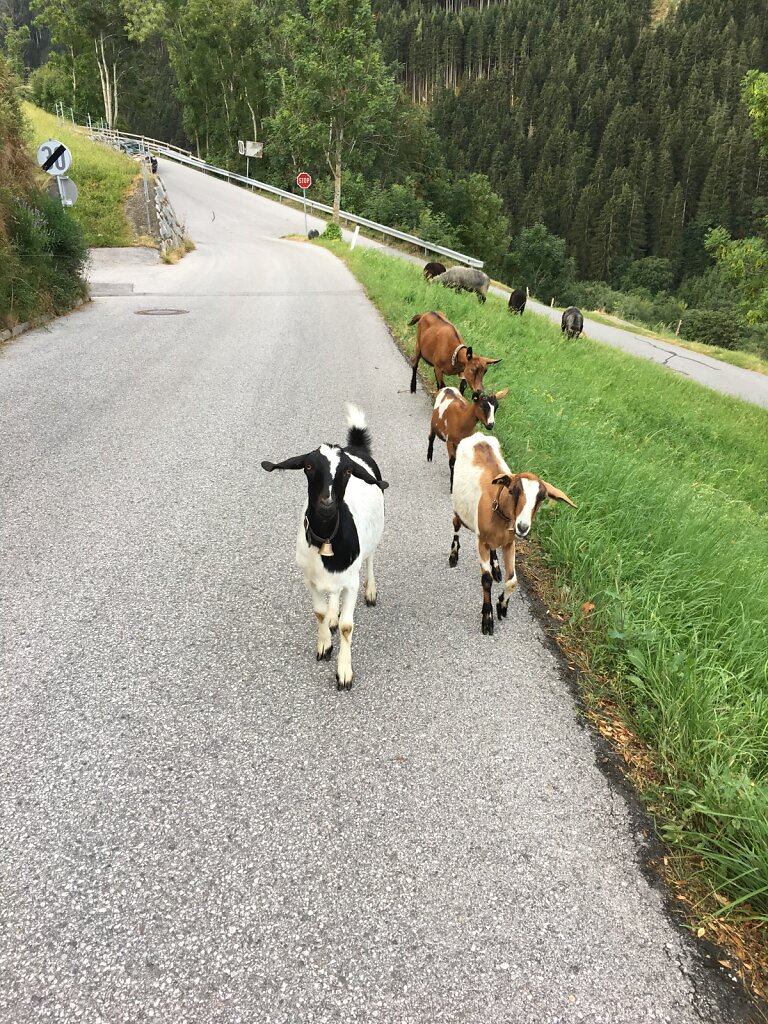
[
  {"x": 304, "y": 180},
  {"x": 64, "y": 188},
  {"x": 54, "y": 157}
]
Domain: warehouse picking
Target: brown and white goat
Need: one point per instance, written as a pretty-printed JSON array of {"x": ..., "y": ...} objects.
[
  {"x": 454, "y": 418},
  {"x": 499, "y": 507},
  {"x": 440, "y": 344}
]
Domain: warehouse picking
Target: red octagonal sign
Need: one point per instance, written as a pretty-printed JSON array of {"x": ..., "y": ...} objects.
[{"x": 304, "y": 180}]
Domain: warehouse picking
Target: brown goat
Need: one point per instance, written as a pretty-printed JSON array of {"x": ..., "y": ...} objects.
[
  {"x": 499, "y": 507},
  {"x": 439, "y": 344},
  {"x": 454, "y": 418}
]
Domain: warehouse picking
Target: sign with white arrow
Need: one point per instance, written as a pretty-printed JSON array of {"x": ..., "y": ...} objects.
[{"x": 54, "y": 157}]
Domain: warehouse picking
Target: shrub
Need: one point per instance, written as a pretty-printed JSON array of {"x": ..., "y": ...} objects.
[
  {"x": 540, "y": 260},
  {"x": 713, "y": 327},
  {"x": 653, "y": 274},
  {"x": 332, "y": 231}
]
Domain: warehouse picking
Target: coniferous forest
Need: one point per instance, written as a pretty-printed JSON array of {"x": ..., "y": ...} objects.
[
  {"x": 622, "y": 131},
  {"x": 586, "y": 148}
]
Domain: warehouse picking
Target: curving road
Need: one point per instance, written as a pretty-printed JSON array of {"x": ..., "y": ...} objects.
[{"x": 194, "y": 825}]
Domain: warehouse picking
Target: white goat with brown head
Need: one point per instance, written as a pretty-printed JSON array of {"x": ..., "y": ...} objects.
[
  {"x": 499, "y": 507},
  {"x": 453, "y": 418}
]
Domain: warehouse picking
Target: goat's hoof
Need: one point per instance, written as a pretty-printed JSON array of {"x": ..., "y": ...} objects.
[
  {"x": 453, "y": 560},
  {"x": 496, "y": 570},
  {"x": 326, "y": 654},
  {"x": 501, "y": 609},
  {"x": 488, "y": 624},
  {"x": 371, "y": 602},
  {"x": 345, "y": 683},
  {"x": 334, "y": 628}
]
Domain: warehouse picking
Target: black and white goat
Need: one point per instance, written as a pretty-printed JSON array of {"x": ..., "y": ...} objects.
[{"x": 342, "y": 523}]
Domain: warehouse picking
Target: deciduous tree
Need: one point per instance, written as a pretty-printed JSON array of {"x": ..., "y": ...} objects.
[{"x": 337, "y": 98}]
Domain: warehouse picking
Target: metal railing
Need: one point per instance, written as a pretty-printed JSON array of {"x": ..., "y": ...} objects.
[{"x": 112, "y": 138}]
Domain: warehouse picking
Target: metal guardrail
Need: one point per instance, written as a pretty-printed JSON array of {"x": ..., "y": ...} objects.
[{"x": 183, "y": 156}]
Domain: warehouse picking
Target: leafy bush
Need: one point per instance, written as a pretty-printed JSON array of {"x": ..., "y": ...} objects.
[
  {"x": 653, "y": 274},
  {"x": 50, "y": 83},
  {"x": 43, "y": 260},
  {"x": 709, "y": 290},
  {"x": 639, "y": 305},
  {"x": 332, "y": 231},
  {"x": 42, "y": 250},
  {"x": 539, "y": 260},
  {"x": 713, "y": 327}
]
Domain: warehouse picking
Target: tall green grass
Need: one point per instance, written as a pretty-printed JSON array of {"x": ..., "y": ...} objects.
[
  {"x": 103, "y": 177},
  {"x": 670, "y": 543}
]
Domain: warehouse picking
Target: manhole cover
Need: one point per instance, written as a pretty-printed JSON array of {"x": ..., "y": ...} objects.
[{"x": 160, "y": 312}]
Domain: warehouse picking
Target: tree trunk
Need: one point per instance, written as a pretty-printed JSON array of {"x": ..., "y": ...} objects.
[
  {"x": 106, "y": 90},
  {"x": 114, "y": 93},
  {"x": 337, "y": 177}
]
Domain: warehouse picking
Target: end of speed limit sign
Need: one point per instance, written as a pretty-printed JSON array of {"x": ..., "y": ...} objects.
[{"x": 54, "y": 157}]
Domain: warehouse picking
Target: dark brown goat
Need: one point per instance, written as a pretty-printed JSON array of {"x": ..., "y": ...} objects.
[
  {"x": 439, "y": 344},
  {"x": 432, "y": 270}
]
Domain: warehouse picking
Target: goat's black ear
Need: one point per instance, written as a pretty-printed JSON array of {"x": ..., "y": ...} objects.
[
  {"x": 297, "y": 462},
  {"x": 503, "y": 481},
  {"x": 359, "y": 472},
  {"x": 477, "y": 395},
  {"x": 469, "y": 351}
]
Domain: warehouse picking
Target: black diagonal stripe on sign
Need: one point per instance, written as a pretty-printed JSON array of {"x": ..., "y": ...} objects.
[{"x": 54, "y": 157}]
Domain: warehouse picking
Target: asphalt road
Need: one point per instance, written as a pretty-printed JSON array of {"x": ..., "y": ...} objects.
[{"x": 195, "y": 826}]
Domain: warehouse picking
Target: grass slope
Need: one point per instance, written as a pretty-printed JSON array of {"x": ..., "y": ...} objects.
[
  {"x": 103, "y": 178},
  {"x": 670, "y": 544}
]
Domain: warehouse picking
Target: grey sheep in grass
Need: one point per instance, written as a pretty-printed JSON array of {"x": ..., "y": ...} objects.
[{"x": 465, "y": 279}]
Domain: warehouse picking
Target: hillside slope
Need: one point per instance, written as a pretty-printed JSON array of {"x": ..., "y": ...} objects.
[{"x": 621, "y": 130}]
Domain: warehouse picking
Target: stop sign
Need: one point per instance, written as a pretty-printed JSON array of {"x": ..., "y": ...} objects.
[{"x": 304, "y": 180}]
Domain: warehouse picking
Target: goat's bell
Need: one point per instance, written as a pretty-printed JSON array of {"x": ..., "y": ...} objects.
[{"x": 326, "y": 551}]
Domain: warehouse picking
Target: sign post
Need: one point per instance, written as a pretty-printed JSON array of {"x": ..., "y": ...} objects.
[
  {"x": 304, "y": 181},
  {"x": 55, "y": 159},
  {"x": 249, "y": 148}
]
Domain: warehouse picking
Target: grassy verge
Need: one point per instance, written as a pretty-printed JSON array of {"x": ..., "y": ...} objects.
[
  {"x": 662, "y": 574},
  {"x": 103, "y": 177}
]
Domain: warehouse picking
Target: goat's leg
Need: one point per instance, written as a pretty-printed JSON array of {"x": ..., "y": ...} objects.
[
  {"x": 333, "y": 612},
  {"x": 484, "y": 554},
  {"x": 346, "y": 626},
  {"x": 511, "y": 584},
  {"x": 431, "y": 445},
  {"x": 439, "y": 379},
  {"x": 370, "y": 582},
  {"x": 453, "y": 558},
  {"x": 322, "y": 614},
  {"x": 415, "y": 365},
  {"x": 462, "y": 386},
  {"x": 495, "y": 568}
]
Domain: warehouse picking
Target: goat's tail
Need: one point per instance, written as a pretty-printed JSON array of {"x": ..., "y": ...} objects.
[
  {"x": 357, "y": 436},
  {"x": 415, "y": 319}
]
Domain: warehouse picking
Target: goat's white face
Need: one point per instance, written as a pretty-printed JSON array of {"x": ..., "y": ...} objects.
[
  {"x": 333, "y": 456},
  {"x": 530, "y": 499}
]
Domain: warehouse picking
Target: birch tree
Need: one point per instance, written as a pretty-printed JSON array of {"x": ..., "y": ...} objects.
[
  {"x": 95, "y": 27},
  {"x": 337, "y": 97}
]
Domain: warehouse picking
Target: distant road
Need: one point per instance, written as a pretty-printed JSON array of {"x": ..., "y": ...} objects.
[
  {"x": 195, "y": 826},
  {"x": 730, "y": 380}
]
